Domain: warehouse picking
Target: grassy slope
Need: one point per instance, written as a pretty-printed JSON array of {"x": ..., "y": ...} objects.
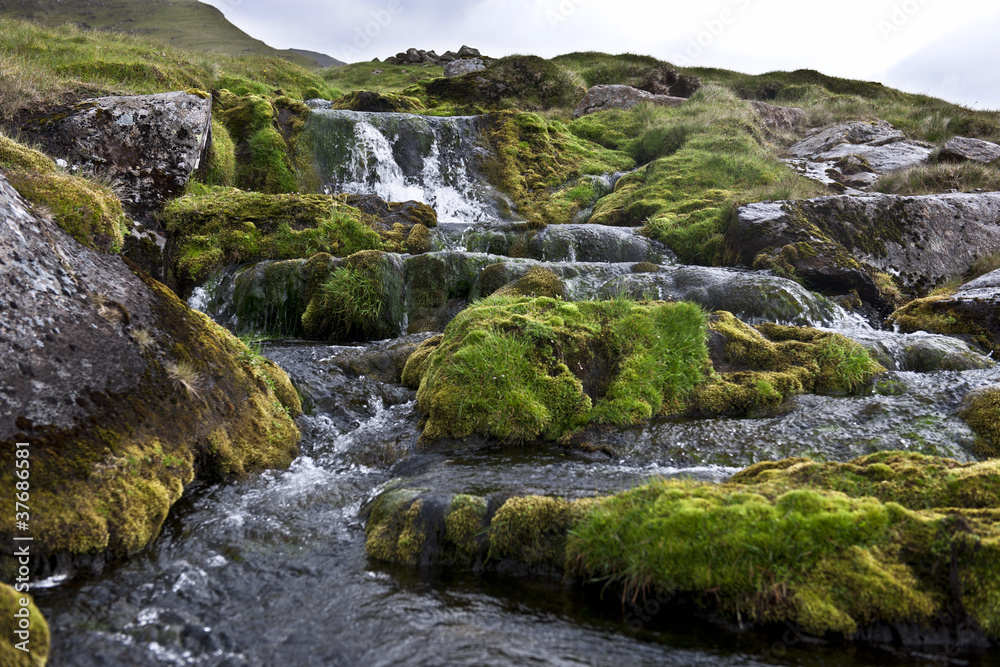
[{"x": 183, "y": 24}]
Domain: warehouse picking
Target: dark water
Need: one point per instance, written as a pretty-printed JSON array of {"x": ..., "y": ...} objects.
[{"x": 271, "y": 570}]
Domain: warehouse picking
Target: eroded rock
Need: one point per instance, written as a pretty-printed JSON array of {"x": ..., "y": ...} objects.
[{"x": 973, "y": 150}]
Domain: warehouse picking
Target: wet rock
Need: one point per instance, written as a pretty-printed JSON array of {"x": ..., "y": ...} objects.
[
  {"x": 974, "y": 150},
  {"x": 920, "y": 353},
  {"x": 146, "y": 146},
  {"x": 101, "y": 366},
  {"x": 601, "y": 98},
  {"x": 879, "y": 144},
  {"x": 778, "y": 118},
  {"x": 464, "y": 66},
  {"x": 382, "y": 361},
  {"x": 872, "y": 244},
  {"x": 971, "y": 312}
]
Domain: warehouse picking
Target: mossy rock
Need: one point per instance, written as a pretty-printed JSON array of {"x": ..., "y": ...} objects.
[
  {"x": 415, "y": 366},
  {"x": 89, "y": 212},
  {"x": 520, "y": 369},
  {"x": 981, "y": 411},
  {"x": 17, "y": 157},
  {"x": 212, "y": 228},
  {"x": 366, "y": 100},
  {"x": 35, "y": 639},
  {"x": 418, "y": 241},
  {"x": 974, "y": 320},
  {"x": 536, "y": 282},
  {"x": 759, "y": 368}
]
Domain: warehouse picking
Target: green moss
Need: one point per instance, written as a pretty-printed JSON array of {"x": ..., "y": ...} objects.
[
  {"x": 418, "y": 241},
  {"x": 37, "y": 642},
  {"x": 533, "y": 529},
  {"x": 88, "y": 212},
  {"x": 523, "y": 369},
  {"x": 365, "y": 100},
  {"x": 536, "y": 282},
  {"x": 759, "y": 368},
  {"x": 220, "y": 167},
  {"x": 942, "y": 315},
  {"x": 981, "y": 410},
  {"x": 360, "y": 300},
  {"x": 464, "y": 524},
  {"x": 416, "y": 365},
  {"x": 537, "y": 163},
  {"x": 217, "y": 227},
  {"x": 17, "y": 157},
  {"x": 396, "y": 530}
]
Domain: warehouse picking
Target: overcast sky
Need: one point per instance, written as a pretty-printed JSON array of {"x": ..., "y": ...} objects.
[{"x": 946, "y": 48}]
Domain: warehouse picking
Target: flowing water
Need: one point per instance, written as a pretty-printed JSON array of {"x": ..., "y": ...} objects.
[{"x": 271, "y": 569}]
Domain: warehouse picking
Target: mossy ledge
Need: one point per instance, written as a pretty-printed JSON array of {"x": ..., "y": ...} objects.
[
  {"x": 34, "y": 651},
  {"x": 891, "y": 539}
]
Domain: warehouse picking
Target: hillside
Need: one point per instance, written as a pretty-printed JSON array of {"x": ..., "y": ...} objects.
[{"x": 183, "y": 24}]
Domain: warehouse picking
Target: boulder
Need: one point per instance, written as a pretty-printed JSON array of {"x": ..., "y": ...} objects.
[
  {"x": 463, "y": 66},
  {"x": 881, "y": 148},
  {"x": 145, "y": 146},
  {"x": 468, "y": 52},
  {"x": 778, "y": 118},
  {"x": 601, "y": 98},
  {"x": 972, "y": 313},
  {"x": 666, "y": 81},
  {"x": 872, "y": 244},
  {"x": 123, "y": 393},
  {"x": 962, "y": 149}
]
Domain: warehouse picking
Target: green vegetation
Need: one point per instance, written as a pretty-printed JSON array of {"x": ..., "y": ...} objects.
[
  {"x": 38, "y": 642},
  {"x": 943, "y": 315},
  {"x": 364, "y": 100},
  {"x": 940, "y": 177},
  {"x": 981, "y": 410},
  {"x": 520, "y": 369},
  {"x": 378, "y": 77},
  {"x": 217, "y": 227}
]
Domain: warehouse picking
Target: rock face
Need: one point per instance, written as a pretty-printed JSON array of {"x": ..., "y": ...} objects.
[
  {"x": 778, "y": 118},
  {"x": 974, "y": 150},
  {"x": 844, "y": 243},
  {"x": 600, "y": 98},
  {"x": 146, "y": 146},
  {"x": 419, "y": 56},
  {"x": 972, "y": 312},
  {"x": 853, "y": 155},
  {"x": 464, "y": 66},
  {"x": 123, "y": 393}
]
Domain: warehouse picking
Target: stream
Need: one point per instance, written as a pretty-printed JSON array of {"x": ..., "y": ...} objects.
[{"x": 271, "y": 569}]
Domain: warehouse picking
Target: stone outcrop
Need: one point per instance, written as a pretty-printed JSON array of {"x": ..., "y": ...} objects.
[
  {"x": 601, "y": 98},
  {"x": 872, "y": 244},
  {"x": 464, "y": 66},
  {"x": 778, "y": 118},
  {"x": 123, "y": 393},
  {"x": 972, "y": 312},
  {"x": 851, "y": 156},
  {"x": 960, "y": 149},
  {"x": 666, "y": 81},
  {"x": 145, "y": 146},
  {"x": 419, "y": 56}
]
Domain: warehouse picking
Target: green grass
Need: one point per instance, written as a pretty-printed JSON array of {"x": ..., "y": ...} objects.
[
  {"x": 390, "y": 79},
  {"x": 940, "y": 177}
]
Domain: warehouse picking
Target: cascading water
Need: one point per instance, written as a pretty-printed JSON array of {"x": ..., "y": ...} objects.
[{"x": 271, "y": 570}]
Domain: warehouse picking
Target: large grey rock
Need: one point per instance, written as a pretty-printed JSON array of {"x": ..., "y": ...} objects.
[
  {"x": 919, "y": 352},
  {"x": 973, "y": 150},
  {"x": 146, "y": 146},
  {"x": 778, "y": 118},
  {"x": 463, "y": 66},
  {"x": 845, "y": 243},
  {"x": 601, "y": 98},
  {"x": 855, "y": 154}
]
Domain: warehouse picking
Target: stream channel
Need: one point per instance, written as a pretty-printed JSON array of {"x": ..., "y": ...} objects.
[{"x": 271, "y": 569}]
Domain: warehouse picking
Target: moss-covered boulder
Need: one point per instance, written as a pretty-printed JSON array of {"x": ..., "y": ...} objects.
[
  {"x": 759, "y": 368},
  {"x": 536, "y": 282},
  {"x": 215, "y": 227},
  {"x": 124, "y": 396},
  {"x": 24, "y": 634},
  {"x": 981, "y": 410},
  {"x": 366, "y": 100},
  {"x": 521, "y": 369}
]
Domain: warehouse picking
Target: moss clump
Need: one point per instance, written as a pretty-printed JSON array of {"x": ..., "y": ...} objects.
[
  {"x": 536, "y": 282},
  {"x": 220, "y": 166},
  {"x": 366, "y": 100},
  {"x": 464, "y": 524},
  {"x": 396, "y": 529},
  {"x": 418, "y": 241},
  {"x": 217, "y": 227},
  {"x": 523, "y": 369},
  {"x": 981, "y": 410},
  {"x": 88, "y": 212},
  {"x": 37, "y": 642},
  {"x": 759, "y": 368},
  {"x": 533, "y": 529},
  {"x": 941, "y": 314},
  {"x": 360, "y": 300},
  {"x": 415, "y": 366},
  {"x": 537, "y": 162},
  {"x": 17, "y": 157}
]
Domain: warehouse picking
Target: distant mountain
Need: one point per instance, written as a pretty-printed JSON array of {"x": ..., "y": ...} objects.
[
  {"x": 321, "y": 59},
  {"x": 185, "y": 24}
]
